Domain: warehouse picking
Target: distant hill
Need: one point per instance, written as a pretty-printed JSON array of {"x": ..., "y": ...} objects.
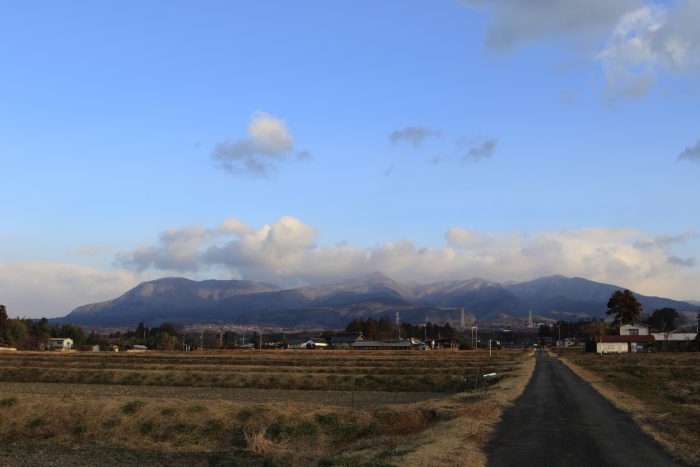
[{"x": 334, "y": 305}]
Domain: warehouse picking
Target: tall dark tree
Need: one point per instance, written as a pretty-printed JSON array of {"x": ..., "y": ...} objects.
[
  {"x": 356, "y": 325},
  {"x": 370, "y": 329},
  {"x": 663, "y": 319},
  {"x": 3, "y": 322},
  {"x": 384, "y": 328},
  {"x": 625, "y": 306}
]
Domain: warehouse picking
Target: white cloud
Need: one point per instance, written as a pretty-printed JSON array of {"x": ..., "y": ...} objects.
[
  {"x": 477, "y": 148},
  {"x": 516, "y": 23},
  {"x": 413, "y": 134},
  {"x": 268, "y": 142},
  {"x": 642, "y": 39},
  {"x": 285, "y": 252},
  {"x": 50, "y": 289},
  {"x": 177, "y": 250}
]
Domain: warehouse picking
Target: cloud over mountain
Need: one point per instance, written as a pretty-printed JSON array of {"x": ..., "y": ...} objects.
[{"x": 286, "y": 252}]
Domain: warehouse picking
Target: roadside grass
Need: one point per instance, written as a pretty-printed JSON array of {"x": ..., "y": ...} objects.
[
  {"x": 661, "y": 391},
  {"x": 449, "y": 429}
]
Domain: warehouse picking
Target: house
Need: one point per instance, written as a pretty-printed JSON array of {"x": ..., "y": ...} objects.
[
  {"x": 674, "y": 336},
  {"x": 622, "y": 344},
  {"x": 59, "y": 343},
  {"x": 137, "y": 349},
  {"x": 569, "y": 342},
  {"x": 408, "y": 344},
  {"x": 296, "y": 344},
  {"x": 377, "y": 345},
  {"x": 445, "y": 343},
  {"x": 344, "y": 340},
  {"x": 311, "y": 343},
  {"x": 634, "y": 329}
]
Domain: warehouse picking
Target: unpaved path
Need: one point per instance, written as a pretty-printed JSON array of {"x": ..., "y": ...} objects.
[{"x": 560, "y": 420}]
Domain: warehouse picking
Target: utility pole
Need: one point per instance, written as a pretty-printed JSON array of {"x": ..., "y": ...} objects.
[
  {"x": 201, "y": 341},
  {"x": 398, "y": 323},
  {"x": 461, "y": 319}
]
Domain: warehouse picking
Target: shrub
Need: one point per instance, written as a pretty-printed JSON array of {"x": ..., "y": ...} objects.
[
  {"x": 196, "y": 408},
  {"x": 36, "y": 423},
  {"x": 213, "y": 427},
  {"x": 168, "y": 412},
  {"x": 79, "y": 430},
  {"x": 244, "y": 415},
  {"x": 8, "y": 402},
  {"x": 184, "y": 428},
  {"x": 132, "y": 407},
  {"x": 146, "y": 428},
  {"x": 110, "y": 423}
]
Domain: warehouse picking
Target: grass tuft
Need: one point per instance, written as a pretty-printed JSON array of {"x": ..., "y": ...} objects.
[{"x": 132, "y": 407}]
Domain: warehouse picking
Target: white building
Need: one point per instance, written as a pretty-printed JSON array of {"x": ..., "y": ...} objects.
[
  {"x": 674, "y": 336},
  {"x": 634, "y": 329},
  {"x": 623, "y": 344},
  {"x": 60, "y": 343}
]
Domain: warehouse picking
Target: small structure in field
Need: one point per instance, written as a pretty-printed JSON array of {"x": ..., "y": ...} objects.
[
  {"x": 59, "y": 343},
  {"x": 137, "y": 349},
  {"x": 8, "y": 349}
]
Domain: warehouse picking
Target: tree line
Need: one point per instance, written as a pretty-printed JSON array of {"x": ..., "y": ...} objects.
[
  {"x": 25, "y": 333},
  {"x": 385, "y": 329}
]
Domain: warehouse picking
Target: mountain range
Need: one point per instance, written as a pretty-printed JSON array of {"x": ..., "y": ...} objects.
[{"x": 244, "y": 302}]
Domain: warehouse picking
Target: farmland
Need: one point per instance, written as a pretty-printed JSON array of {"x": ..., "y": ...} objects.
[
  {"x": 255, "y": 407},
  {"x": 660, "y": 390}
]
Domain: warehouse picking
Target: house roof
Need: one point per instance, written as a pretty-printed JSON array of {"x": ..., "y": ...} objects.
[
  {"x": 636, "y": 323},
  {"x": 386, "y": 345},
  {"x": 347, "y": 337},
  {"x": 628, "y": 339}
]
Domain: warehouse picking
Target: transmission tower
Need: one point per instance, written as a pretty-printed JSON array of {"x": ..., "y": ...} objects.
[
  {"x": 529, "y": 321},
  {"x": 461, "y": 319}
]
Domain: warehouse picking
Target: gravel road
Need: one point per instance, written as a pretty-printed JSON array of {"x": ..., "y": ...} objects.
[{"x": 560, "y": 420}]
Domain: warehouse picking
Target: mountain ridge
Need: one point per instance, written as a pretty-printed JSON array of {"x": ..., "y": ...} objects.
[{"x": 186, "y": 301}]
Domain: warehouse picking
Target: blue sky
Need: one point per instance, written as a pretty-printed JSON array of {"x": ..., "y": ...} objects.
[{"x": 254, "y": 140}]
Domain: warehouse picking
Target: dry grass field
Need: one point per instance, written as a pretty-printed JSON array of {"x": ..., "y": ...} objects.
[
  {"x": 254, "y": 407},
  {"x": 660, "y": 390}
]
